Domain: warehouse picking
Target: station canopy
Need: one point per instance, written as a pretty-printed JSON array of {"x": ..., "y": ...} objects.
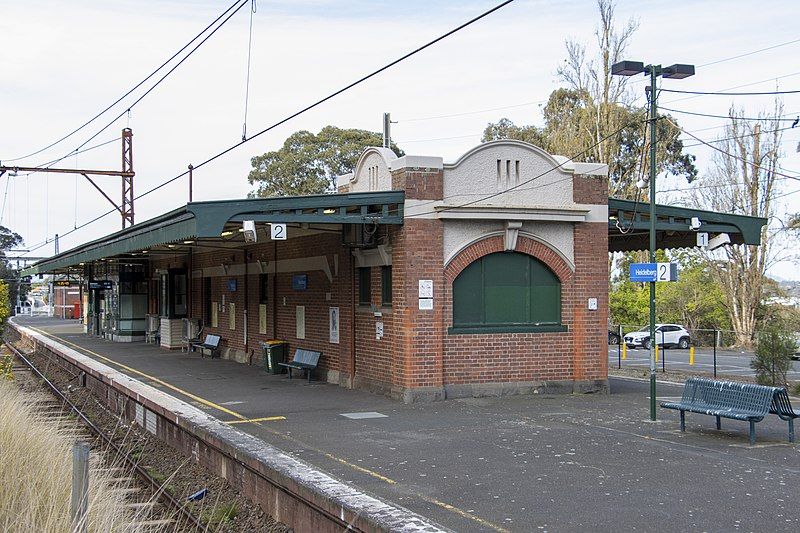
[
  {"x": 217, "y": 225},
  {"x": 629, "y": 226}
]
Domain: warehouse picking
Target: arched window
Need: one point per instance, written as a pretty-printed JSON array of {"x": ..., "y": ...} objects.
[{"x": 506, "y": 292}]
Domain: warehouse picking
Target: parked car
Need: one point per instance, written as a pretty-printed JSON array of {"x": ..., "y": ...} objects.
[
  {"x": 613, "y": 337},
  {"x": 796, "y": 354},
  {"x": 671, "y": 335}
]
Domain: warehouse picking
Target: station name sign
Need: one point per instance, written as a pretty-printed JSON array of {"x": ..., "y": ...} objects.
[
  {"x": 654, "y": 272},
  {"x": 101, "y": 284}
]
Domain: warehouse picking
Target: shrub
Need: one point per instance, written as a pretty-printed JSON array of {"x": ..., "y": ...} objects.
[{"x": 773, "y": 357}]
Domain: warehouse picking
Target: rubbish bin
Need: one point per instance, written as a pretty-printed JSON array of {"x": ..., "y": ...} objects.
[{"x": 274, "y": 353}]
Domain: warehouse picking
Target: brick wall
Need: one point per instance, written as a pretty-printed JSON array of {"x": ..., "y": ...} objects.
[
  {"x": 590, "y": 190},
  {"x": 319, "y": 296},
  {"x": 510, "y": 357}
]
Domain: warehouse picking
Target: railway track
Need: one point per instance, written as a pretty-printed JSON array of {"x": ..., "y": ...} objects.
[{"x": 143, "y": 500}]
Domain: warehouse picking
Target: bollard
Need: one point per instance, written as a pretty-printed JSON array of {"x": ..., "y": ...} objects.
[
  {"x": 624, "y": 351},
  {"x": 691, "y": 355},
  {"x": 656, "y": 348},
  {"x": 80, "y": 487}
]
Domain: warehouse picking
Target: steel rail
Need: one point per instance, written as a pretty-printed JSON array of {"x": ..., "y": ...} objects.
[{"x": 161, "y": 491}]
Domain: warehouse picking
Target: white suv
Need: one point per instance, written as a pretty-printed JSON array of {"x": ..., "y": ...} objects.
[{"x": 666, "y": 335}]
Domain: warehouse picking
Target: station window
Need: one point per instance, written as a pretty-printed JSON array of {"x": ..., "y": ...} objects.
[
  {"x": 386, "y": 285},
  {"x": 207, "y": 298},
  {"x": 263, "y": 288},
  {"x": 174, "y": 293},
  {"x": 506, "y": 292},
  {"x": 364, "y": 286}
]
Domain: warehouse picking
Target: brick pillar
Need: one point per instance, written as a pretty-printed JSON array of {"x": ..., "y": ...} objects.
[
  {"x": 418, "y": 255},
  {"x": 590, "y": 355}
]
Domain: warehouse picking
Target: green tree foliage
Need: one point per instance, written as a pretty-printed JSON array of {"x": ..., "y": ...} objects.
[
  {"x": 8, "y": 240},
  {"x": 5, "y": 303},
  {"x": 773, "y": 358},
  {"x": 309, "y": 163},
  {"x": 594, "y": 105},
  {"x": 628, "y": 304},
  {"x": 695, "y": 300}
]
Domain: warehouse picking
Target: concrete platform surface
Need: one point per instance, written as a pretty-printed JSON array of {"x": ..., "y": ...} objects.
[{"x": 525, "y": 463}]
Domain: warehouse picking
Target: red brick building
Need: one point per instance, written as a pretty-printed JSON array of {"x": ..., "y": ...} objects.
[{"x": 419, "y": 279}]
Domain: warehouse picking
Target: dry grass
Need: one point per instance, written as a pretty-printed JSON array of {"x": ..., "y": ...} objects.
[{"x": 36, "y": 474}]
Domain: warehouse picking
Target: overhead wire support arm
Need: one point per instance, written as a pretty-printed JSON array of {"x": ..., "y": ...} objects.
[{"x": 125, "y": 207}]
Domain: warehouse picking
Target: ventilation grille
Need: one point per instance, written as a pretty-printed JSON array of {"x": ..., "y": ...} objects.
[{"x": 507, "y": 173}]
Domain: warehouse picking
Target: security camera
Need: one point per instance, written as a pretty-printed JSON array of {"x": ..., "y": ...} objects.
[
  {"x": 719, "y": 241},
  {"x": 695, "y": 224},
  {"x": 250, "y": 231}
]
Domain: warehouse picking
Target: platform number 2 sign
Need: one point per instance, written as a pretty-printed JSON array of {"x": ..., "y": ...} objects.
[
  {"x": 667, "y": 272},
  {"x": 278, "y": 232}
]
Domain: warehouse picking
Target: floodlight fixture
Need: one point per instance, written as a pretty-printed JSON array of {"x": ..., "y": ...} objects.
[
  {"x": 627, "y": 68},
  {"x": 677, "y": 71}
]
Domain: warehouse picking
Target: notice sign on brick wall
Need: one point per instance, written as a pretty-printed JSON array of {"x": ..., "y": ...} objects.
[
  {"x": 333, "y": 324},
  {"x": 426, "y": 294}
]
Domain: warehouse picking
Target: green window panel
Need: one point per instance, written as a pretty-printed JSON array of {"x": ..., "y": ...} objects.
[
  {"x": 506, "y": 290},
  {"x": 364, "y": 286}
]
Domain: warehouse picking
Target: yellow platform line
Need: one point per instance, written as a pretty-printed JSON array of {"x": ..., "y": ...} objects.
[
  {"x": 142, "y": 374},
  {"x": 241, "y": 419},
  {"x": 465, "y": 514},
  {"x": 253, "y": 420}
]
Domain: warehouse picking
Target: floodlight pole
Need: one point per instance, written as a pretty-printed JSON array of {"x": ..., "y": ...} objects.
[
  {"x": 655, "y": 70},
  {"x": 678, "y": 71}
]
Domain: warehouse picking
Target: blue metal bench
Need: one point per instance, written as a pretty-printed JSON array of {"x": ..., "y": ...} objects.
[
  {"x": 782, "y": 407},
  {"x": 725, "y": 399},
  {"x": 305, "y": 360}
]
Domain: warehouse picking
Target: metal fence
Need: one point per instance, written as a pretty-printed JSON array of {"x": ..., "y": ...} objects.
[
  {"x": 671, "y": 355},
  {"x": 699, "y": 337}
]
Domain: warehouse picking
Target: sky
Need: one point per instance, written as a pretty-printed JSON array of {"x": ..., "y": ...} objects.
[{"x": 63, "y": 62}]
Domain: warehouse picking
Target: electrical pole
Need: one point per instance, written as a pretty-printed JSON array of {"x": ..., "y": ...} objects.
[
  {"x": 126, "y": 206},
  {"x": 387, "y": 133},
  {"x": 655, "y": 70}
]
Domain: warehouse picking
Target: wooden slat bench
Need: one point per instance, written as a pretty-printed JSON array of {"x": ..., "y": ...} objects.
[
  {"x": 305, "y": 360},
  {"x": 212, "y": 343},
  {"x": 725, "y": 399}
]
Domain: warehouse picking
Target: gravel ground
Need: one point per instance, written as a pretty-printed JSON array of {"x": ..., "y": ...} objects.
[{"x": 223, "y": 509}]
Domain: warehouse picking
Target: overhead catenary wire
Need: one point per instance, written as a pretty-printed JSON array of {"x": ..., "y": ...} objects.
[
  {"x": 779, "y": 45},
  {"x": 301, "y": 111},
  {"x": 734, "y": 156},
  {"x": 54, "y": 161},
  {"x": 247, "y": 81},
  {"x": 160, "y": 80},
  {"x": 118, "y": 100},
  {"x": 477, "y": 112},
  {"x": 743, "y": 136},
  {"x": 713, "y": 93},
  {"x": 727, "y": 117},
  {"x": 750, "y": 84}
]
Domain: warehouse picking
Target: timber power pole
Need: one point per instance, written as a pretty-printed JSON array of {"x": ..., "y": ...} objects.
[{"x": 125, "y": 208}]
